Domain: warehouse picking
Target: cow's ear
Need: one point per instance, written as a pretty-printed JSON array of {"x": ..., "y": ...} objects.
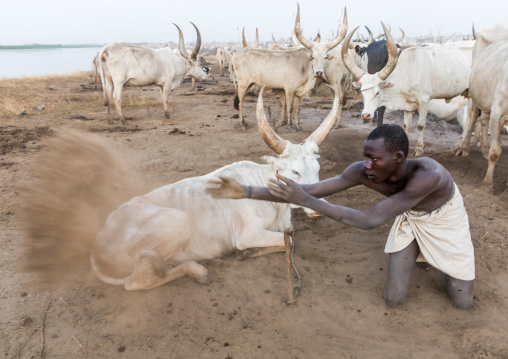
[
  {"x": 386, "y": 85},
  {"x": 268, "y": 159},
  {"x": 357, "y": 84}
]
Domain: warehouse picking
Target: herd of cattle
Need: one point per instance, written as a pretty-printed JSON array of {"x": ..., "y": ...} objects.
[{"x": 157, "y": 237}]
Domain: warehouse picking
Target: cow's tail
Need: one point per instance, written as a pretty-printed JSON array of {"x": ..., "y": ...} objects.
[
  {"x": 76, "y": 185},
  {"x": 233, "y": 77},
  {"x": 106, "y": 80},
  {"x": 236, "y": 102}
]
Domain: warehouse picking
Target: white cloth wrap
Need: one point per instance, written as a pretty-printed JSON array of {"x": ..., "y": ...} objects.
[{"x": 442, "y": 235}]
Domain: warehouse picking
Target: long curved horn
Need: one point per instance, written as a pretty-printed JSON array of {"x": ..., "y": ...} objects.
[
  {"x": 243, "y": 39},
  {"x": 403, "y": 35},
  {"x": 308, "y": 44},
  {"x": 296, "y": 43},
  {"x": 273, "y": 140},
  {"x": 275, "y": 42},
  {"x": 350, "y": 65},
  {"x": 474, "y": 33},
  {"x": 320, "y": 133},
  {"x": 341, "y": 34},
  {"x": 393, "y": 55},
  {"x": 256, "y": 44},
  {"x": 362, "y": 40},
  {"x": 371, "y": 37},
  {"x": 194, "y": 54},
  {"x": 181, "y": 44}
]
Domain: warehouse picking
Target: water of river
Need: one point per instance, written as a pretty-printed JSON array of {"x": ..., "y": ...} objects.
[{"x": 36, "y": 62}]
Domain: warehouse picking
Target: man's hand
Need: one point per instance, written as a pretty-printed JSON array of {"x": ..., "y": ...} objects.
[
  {"x": 226, "y": 188},
  {"x": 288, "y": 190}
]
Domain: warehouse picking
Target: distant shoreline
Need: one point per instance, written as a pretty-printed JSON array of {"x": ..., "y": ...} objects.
[
  {"x": 58, "y": 46},
  {"x": 46, "y": 47}
]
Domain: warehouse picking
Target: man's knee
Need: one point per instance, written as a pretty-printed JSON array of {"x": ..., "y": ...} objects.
[
  {"x": 462, "y": 303},
  {"x": 460, "y": 292},
  {"x": 394, "y": 302},
  {"x": 394, "y": 298}
]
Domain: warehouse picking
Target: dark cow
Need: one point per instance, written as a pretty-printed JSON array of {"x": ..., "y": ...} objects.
[{"x": 376, "y": 53}]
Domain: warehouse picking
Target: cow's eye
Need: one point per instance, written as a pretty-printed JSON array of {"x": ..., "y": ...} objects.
[{"x": 296, "y": 173}]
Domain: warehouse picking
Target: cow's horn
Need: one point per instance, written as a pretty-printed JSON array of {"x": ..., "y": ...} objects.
[
  {"x": 350, "y": 65},
  {"x": 341, "y": 34},
  {"x": 275, "y": 42},
  {"x": 371, "y": 37},
  {"x": 393, "y": 55},
  {"x": 308, "y": 44},
  {"x": 194, "y": 54},
  {"x": 403, "y": 35},
  {"x": 474, "y": 33},
  {"x": 320, "y": 133},
  {"x": 296, "y": 43},
  {"x": 243, "y": 38},
  {"x": 181, "y": 44},
  {"x": 256, "y": 44},
  {"x": 362, "y": 40},
  {"x": 273, "y": 140}
]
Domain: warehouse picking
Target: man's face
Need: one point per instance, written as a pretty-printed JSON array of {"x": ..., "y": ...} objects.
[{"x": 379, "y": 164}]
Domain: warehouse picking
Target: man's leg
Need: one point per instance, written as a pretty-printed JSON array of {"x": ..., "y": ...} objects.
[
  {"x": 400, "y": 268},
  {"x": 460, "y": 291}
]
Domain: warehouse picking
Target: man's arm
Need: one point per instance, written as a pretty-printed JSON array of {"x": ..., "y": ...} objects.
[
  {"x": 230, "y": 188},
  {"x": 352, "y": 176},
  {"x": 416, "y": 189}
]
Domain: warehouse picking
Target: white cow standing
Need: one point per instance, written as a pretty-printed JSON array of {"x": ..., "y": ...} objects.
[
  {"x": 412, "y": 79},
  {"x": 327, "y": 62},
  {"x": 488, "y": 93},
  {"x": 156, "y": 238},
  {"x": 290, "y": 73},
  {"x": 139, "y": 66},
  {"x": 221, "y": 59}
]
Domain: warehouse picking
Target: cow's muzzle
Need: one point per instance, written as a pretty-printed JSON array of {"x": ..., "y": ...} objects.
[
  {"x": 319, "y": 73},
  {"x": 366, "y": 117},
  {"x": 314, "y": 214}
]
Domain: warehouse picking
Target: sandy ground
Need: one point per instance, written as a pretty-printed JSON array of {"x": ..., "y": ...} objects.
[{"x": 340, "y": 312}]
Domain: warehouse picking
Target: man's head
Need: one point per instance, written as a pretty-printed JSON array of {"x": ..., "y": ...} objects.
[
  {"x": 395, "y": 138},
  {"x": 385, "y": 152}
]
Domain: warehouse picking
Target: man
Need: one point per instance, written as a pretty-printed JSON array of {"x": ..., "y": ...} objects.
[{"x": 430, "y": 218}]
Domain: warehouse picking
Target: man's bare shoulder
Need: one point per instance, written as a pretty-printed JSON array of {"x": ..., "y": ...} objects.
[
  {"x": 430, "y": 180},
  {"x": 428, "y": 166}
]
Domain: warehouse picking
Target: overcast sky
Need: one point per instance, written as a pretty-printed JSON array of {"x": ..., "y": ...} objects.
[{"x": 103, "y": 21}]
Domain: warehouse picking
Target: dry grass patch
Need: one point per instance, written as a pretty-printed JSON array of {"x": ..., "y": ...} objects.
[{"x": 23, "y": 94}]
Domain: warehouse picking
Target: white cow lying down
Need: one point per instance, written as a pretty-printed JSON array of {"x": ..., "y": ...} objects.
[{"x": 158, "y": 237}]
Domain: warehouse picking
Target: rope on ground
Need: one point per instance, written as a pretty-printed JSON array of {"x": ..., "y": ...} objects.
[{"x": 293, "y": 291}]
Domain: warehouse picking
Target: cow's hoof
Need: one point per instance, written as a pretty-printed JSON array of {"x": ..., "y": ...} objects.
[
  {"x": 298, "y": 128},
  {"x": 241, "y": 127},
  {"x": 462, "y": 152},
  {"x": 167, "y": 115},
  {"x": 204, "y": 279}
]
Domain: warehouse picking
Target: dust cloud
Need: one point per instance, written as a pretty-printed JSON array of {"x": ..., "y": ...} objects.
[{"x": 78, "y": 183}]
